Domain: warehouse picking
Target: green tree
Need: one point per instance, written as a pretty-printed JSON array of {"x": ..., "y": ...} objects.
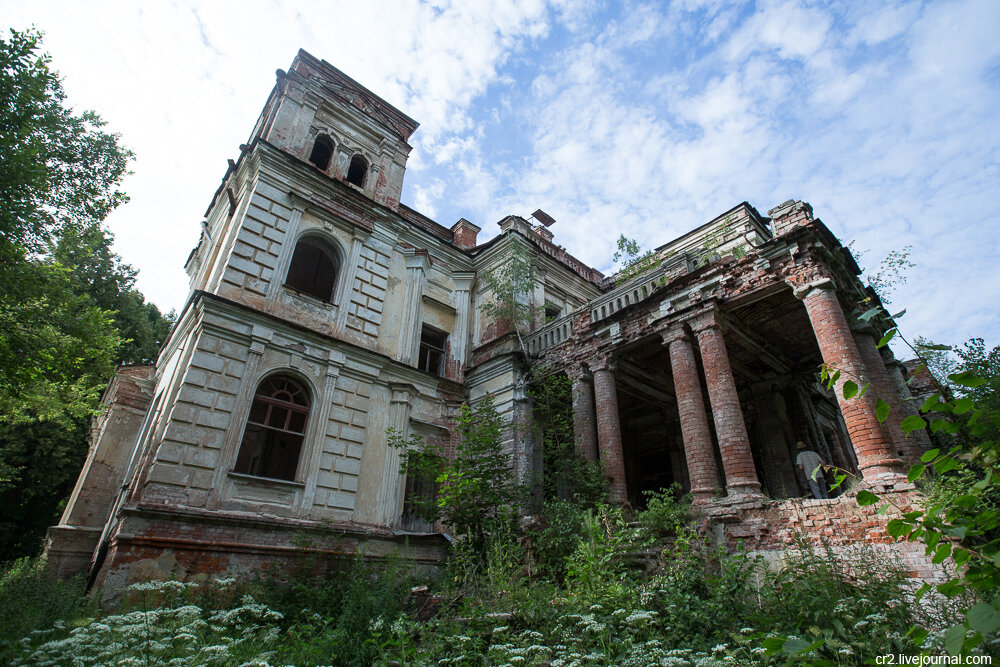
[
  {"x": 68, "y": 309},
  {"x": 476, "y": 489}
]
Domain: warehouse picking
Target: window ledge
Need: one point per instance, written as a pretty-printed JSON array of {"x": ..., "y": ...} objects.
[
  {"x": 309, "y": 298},
  {"x": 265, "y": 481}
]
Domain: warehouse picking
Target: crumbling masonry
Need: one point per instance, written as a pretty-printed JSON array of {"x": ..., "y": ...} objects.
[{"x": 323, "y": 311}]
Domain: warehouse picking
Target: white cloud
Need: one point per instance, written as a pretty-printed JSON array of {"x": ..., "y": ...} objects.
[{"x": 615, "y": 120}]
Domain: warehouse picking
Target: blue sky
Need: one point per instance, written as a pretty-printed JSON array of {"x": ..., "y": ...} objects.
[{"x": 634, "y": 118}]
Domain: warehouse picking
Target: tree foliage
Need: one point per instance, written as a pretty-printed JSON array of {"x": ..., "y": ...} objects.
[
  {"x": 962, "y": 524},
  {"x": 511, "y": 282},
  {"x": 68, "y": 308},
  {"x": 475, "y": 487}
]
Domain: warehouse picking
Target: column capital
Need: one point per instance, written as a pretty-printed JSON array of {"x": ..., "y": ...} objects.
[
  {"x": 705, "y": 320},
  {"x": 402, "y": 392},
  {"x": 299, "y": 203},
  {"x": 416, "y": 259},
  {"x": 463, "y": 280},
  {"x": 603, "y": 363},
  {"x": 802, "y": 291},
  {"x": 335, "y": 361},
  {"x": 580, "y": 372},
  {"x": 675, "y": 333}
]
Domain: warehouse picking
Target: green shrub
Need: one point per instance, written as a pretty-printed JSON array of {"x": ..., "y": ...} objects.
[
  {"x": 667, "y": 511},
  {"x": 32, "y": 600}
]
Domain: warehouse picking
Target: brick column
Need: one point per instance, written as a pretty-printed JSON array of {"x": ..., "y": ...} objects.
[
  {"x": 698, "y": 449},
  {"x": 873, "y": 446},
  {"x": 905, "y": 448},
  {"x": 734, "y": 443},
  {"x": 609, "y": 434},
  {"x": 895, "y": 370},
  {"x": 584, "y": 432}
]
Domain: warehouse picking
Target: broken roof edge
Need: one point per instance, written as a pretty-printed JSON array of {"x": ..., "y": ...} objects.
[{"x": 334, "y": 75}]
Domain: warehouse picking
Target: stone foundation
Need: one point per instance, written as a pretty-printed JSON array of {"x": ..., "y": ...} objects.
[{"x": 158, "y": 543}]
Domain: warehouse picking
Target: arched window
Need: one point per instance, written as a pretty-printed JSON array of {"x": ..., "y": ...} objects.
[
  {"x": 313, "y": 269},
  {"x": 356, "y": 172},
  {"x": 275, "y": 429},
  {"x": 322, "y": 152}
]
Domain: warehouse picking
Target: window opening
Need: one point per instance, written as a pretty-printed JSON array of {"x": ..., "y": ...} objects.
[
  {"x": 356, "y": 172},
  {"x": 551, "y": 312},
  {"x": 272, "y": 440},
  {"x": 420, "y": 497},
  {"x": 322, "y": 152},
  {"x": 313, "y": 269},
  {"x": 432, "y": 344}
]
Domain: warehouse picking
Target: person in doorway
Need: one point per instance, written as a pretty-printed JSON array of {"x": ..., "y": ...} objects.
[{"x": 807, "y": 461}]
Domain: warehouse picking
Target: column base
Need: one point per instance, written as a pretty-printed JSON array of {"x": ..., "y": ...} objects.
[
  {"x": 743, "y": 489},
  {"x": 874, "y": 471}
]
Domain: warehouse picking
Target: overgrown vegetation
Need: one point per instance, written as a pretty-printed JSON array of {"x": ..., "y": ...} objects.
[
  {"x": 68, "y": 308},
  {"x": 960, "y": 519}
]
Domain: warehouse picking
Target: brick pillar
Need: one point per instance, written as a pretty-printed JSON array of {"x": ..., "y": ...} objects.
[
  {"x": 698, "y": 449},
  {"x": 734, "y": 442},
  {"x": 584, "y": 432},
  {"x": 609, "y": 433},
  {"x": 895, "y": 370},
  {"x": 904, "y": 447},
  {"x": 873, "y": 446}
]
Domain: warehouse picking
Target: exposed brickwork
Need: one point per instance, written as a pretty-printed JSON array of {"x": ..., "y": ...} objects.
[
  {"x": 906, "y": 448},
  {"x": 873, "y": 445},
  {"x": 698, "y": 449},
  {"x": 851, "y": 532},
  {"x": 609, "y": 434},
  {"x": 464, "y": 234},
  {"x": 153, "y": 542},
  {"x": 584, "y": 417},
  {"x": 734, "y": 443}
]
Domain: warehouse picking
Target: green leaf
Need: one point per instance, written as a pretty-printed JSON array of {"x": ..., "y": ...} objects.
[
  {"x": 815, "y": 472},
  {"x": 868, "y": 314},
  {"x": 838, "y": 481},
  {"x": 960, "y": 557},
  {"x": 899, "y": 314},
  {"x": 954, "y": 637},
  {"x": 958, "y": 532},
  {"x": 944, "y": 464},
  {"x": 967, "y": 379},
  {"x": 983, "y": 618},
  {"x": 912, "y": 423},
  {"x": 965, "y": 501},
  {"x": 881, "y": 410},
  {"x": 886, "y": 338},
  {"x": 930, "y": 455},
  {"x": 962, "y": 405},
  {"x": 951, "y": 588},
  {"x": 897, "y": 528},
  {"x": 866, "y": 498},
  {"x": 915, "y": 472},
  {"x": 795, "y": 646},
  {"x": 772, "y": 644},
  {"x": 918, "y": 635},
  {"x": 937, "y": 425},
  {"x": 850, "y": 389},
  {"x": 934, "y": 346},
  {"x": 931, "y": 401},
  {"x": 941, "y": 553}
]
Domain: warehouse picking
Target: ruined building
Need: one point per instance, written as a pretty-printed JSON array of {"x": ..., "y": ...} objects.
[{"x": 323, "y": 312}]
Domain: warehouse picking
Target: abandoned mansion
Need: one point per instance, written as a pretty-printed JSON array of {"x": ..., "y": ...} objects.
[{"x": 323, "y": 312}]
